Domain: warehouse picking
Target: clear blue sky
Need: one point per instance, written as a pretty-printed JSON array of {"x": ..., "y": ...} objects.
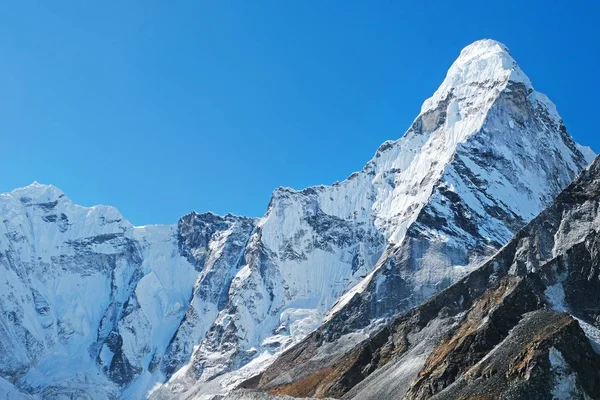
[{"x": 160, "y": 108}]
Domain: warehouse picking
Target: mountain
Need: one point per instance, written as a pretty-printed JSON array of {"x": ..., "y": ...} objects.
[
  {"x": 92, "y": 306},
  {"x": 90, "y": 303},
  {"x": 523, "y": 325},
  {"x": 486, "y": 154}
]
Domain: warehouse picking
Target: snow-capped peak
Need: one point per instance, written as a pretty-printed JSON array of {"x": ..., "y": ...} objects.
[
  {"x": 484, "y": 63},
  {"x": 38, "y": 193}
]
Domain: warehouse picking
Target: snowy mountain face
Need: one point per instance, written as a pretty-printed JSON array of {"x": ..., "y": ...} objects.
[
  {"x": 208, "y": 303},
  {"x": 90, "y": 304},
  {"x": 525, "y": 325},
  {"x": 509, "y": 155}
]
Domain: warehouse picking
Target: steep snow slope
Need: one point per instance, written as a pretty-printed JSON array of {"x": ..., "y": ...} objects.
[
  {"x": 90, "y": 303},
  {"x": 484, "y": 156}
]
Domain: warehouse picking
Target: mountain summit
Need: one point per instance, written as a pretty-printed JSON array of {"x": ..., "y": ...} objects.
[
  {"x": 484, "y": 62},
  {"x": 203, "y": 305},
  {"x": 485, "y": 156},
  {"x": 495, "y": 153}
]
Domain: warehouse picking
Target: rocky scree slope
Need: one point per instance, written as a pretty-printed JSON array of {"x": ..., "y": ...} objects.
[{"x": 523, "y": 325}]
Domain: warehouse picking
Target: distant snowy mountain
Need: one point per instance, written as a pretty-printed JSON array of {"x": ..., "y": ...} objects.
[
  {"x": 93, "y": 306},
  {"x": 90, "y": 303}
]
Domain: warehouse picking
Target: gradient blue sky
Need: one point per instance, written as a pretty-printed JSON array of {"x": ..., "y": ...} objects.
[{"x": 160, "y": 108}]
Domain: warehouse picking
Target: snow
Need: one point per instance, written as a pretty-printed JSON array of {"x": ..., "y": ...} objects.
[
  {"x": 10, "y": 392},
  {"x": 300, "y": 321},
  {"x": 555, "y": 294},
  {"x": 482, "y": 61},
  {"x": 592, "y": 333},
  {"x": 566, "y": 386},
  {"x": 470, "y": 113},
  {"x": 68, "y": 283}
]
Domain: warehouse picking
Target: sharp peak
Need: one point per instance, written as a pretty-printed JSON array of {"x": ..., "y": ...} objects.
[
  {"x": 484, "y": 46},
  {"x": 36, "y": 184},
  {"x": 39, "y": 192},
  {"x": 486, "y": 64}
]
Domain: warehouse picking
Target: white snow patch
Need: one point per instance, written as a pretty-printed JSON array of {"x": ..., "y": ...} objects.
[
  {"x": 565, "y": 386},
  {"x": 592, "y": 333},
  {"x": 555, "y": 294}
]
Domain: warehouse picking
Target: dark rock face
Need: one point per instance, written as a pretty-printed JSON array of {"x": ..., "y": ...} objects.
[
  {"x": 486, "y": 324},
  {"x": 119, "y": 370},
  {"x": 523, "y": 325},
  {"x": 522, "y": 364},
  {"x": 195, "y": 233}
]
